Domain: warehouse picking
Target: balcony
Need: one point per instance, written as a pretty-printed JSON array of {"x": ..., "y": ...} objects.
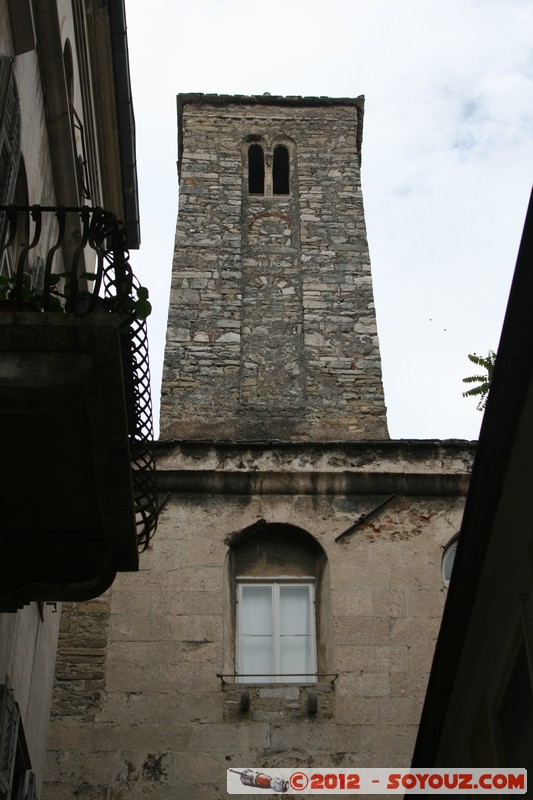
[{"x": 77, "y": 490}]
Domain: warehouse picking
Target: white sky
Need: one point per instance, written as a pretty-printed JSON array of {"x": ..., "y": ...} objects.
[{"x": 447, "y": 160}]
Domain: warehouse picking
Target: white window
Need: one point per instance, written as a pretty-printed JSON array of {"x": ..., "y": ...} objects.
[{"x": 276, "y": 632}]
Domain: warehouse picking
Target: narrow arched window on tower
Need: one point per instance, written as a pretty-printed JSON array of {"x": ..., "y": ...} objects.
[
  {"x": 256, "y": 169},
  {"x": 280, "y": 170}
]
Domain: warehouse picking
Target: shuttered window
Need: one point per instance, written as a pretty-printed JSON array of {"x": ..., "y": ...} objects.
[
  {"x": 9, "y": 726},
  {"x": 9, "y": 138},
  {"x": 9, "y": 131}
]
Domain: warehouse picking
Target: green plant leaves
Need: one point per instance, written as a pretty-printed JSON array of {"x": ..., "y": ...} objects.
[
  {"x": 127, "y": 306},
  {"x": 483, "y": 381}
]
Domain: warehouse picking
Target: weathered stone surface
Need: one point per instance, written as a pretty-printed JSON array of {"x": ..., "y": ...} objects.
[
  {"x": 271, "y": 334},
  {"x": 161, "y": 694},
  {"x": 80, "y": 660},
  {"x": 276, "y": 338}
]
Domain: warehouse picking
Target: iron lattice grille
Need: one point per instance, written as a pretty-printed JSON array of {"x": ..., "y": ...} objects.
[{"x": 53, "y": 272}]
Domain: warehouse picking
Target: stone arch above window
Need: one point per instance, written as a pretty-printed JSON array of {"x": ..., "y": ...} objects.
[{"x": 278, "y": 621}]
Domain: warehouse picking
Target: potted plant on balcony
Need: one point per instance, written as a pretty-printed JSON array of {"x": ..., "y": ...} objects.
[
  {"x": 25, "y": 297},
  {"x": 19, "y": 295}
]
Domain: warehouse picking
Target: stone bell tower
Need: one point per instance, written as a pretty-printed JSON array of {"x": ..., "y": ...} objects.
[{"x": 272, "y": 328}]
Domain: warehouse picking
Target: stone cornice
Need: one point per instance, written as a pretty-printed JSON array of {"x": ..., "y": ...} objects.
[{"x": 406, "y": 467}]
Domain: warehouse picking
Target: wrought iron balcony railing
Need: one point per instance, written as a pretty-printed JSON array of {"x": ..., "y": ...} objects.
[{"x": 74, "y": 261}]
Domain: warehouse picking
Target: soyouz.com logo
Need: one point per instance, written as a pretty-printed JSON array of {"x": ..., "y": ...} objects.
[{"x": 249, "y": 780}]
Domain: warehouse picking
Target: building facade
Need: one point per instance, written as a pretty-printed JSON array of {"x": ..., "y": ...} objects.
[
  {"x": 66, "y": 148},
  {"x": 291, "y": 598}
]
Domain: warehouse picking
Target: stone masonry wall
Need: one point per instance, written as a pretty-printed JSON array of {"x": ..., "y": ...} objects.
[
  {"x": 80, "y": 660},
  {"x": 165, "y": 726},
  {"x": 272, "y": 329}
]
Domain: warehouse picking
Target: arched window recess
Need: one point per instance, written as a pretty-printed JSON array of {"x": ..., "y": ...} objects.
[
  {"x": 280, "y": 170},
  {"x": 280, "y": 606},
  {"x": 256, "y": 169},
  {"x": 268, "y": 170}
]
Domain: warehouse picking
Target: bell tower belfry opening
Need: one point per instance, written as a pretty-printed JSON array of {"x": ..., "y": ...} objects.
[{"x": 272, "y": 328}]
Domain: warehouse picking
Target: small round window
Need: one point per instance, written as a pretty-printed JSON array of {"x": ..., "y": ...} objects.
[{"x": 448, "y": 558}]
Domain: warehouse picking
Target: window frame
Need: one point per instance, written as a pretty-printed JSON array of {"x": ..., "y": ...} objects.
[
  {"x": 448, "y": 559},
  {"x": 276, "y": 582}
]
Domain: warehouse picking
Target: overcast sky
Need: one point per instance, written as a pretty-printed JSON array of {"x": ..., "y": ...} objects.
[{"x": 447, "y": 160}]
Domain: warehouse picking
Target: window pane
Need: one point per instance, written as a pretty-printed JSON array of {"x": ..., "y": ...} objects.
[
  {"x": 256, "y": 658},
  {"x": 448, "y": 559},
  {"x": 295, "y": 610},
  {"x": 296, "y": 657},
  {"x": 256, "y": 610},
  {"x": 295, "y": 626}
]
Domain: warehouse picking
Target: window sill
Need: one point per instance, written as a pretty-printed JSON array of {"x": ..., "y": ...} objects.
[
  {"x": 281, "y": 689},
  {"x": 230, "y": 682}
]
